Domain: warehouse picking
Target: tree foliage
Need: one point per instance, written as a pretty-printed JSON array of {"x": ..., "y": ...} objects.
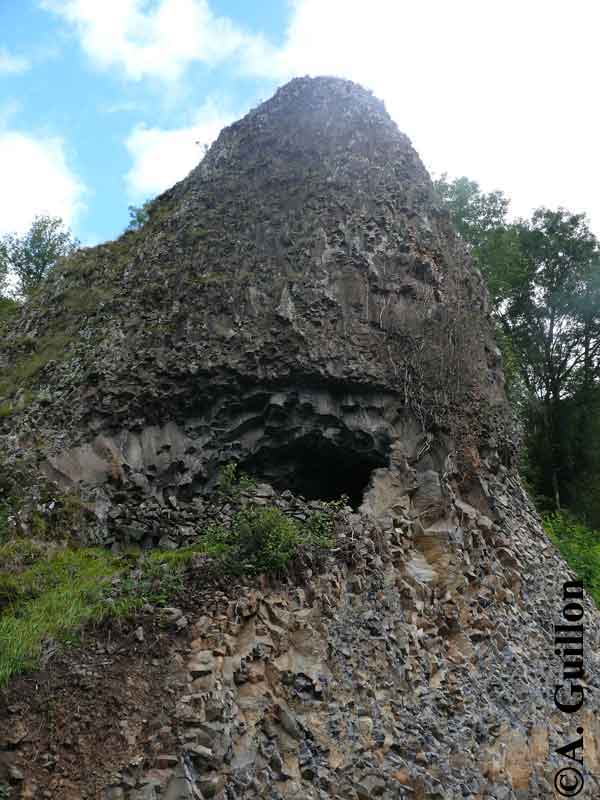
[
  {"x": 29, "y": 258},
  {"x": 138, "y": 216},
  {"x": 543, "y": 275},
  {"x": 481, "y": 220}
]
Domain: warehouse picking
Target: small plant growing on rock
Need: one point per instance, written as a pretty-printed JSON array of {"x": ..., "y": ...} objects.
[
  {"x": 155, "y": 581},
  {"x": 232, "y": 481},
  {"x": 320, "y": 529},
  {"x": 264, "y": 539}
]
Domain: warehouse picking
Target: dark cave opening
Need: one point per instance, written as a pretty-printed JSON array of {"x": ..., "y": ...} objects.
[{"x": 317, "y": 468}]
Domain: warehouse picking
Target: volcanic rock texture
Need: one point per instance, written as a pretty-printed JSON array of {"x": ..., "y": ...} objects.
[{"x": 300, "y": 304}]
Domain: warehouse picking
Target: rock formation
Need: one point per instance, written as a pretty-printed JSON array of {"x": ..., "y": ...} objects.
[{"x": 300, "y": 304}]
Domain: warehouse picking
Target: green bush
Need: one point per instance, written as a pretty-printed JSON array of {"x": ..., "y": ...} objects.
[
  {"x": 264, "y": 539},
  {"x": 232, "y": 481},
  {"x": 579, "y": 546},
  {"x": 8, "y": 310}
]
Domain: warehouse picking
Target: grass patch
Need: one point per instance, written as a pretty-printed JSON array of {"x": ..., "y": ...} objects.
[
  {"x": 16, "y": 554},
  {"x": 51, "y": 599},
  {"x": 85, "y": 299},
  {"x": 579, "y": 546},
  {"x": 48, "y": 592}
]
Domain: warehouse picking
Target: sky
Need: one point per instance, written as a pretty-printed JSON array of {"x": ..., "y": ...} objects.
[{"x": 106, "y": 103}]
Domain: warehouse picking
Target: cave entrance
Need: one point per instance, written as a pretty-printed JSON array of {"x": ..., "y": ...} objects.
[{"x": 317, "y": 468}]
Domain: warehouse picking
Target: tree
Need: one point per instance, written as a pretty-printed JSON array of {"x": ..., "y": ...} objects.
[
  {"x": 138, "y": 216},
  {"x": 481, "y": 220},
  {"x": 554, "y": 314},
  {"x": 29, "y": 258},
  {"x": 473, "y": 212},
  {"x": 554, "y": 322},
  {"x": 543, "y": 275}
]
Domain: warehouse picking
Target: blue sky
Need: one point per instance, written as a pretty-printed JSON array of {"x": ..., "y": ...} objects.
[{"x": 102, "y": 101}]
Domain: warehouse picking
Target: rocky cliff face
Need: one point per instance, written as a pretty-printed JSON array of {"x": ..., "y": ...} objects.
[{"x": 299, "y": 304}]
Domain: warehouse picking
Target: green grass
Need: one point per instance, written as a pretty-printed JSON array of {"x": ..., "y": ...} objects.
[
  {"x": 579, "y": 546},
  {"x": 15, "y": 554},
  {"x": 49, "y": 592},
  {"x": 50, "y": 600}
]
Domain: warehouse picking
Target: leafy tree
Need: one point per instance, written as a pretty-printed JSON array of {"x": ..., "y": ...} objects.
[
  {"x": 481, "y": 220},
  {"x": 544, "y": 278},
  {"x": 138, "y": 216},
  {"x": 555, "y": 329},
  {"x": 473, "y": 212},
  {"x": 29, "y": 258}
]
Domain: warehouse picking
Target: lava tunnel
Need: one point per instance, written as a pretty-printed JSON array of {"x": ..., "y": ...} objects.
[{"x": 318, "y": 468}]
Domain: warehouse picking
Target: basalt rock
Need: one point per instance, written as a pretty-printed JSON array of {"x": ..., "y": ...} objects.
[{"x": 300, "y": 305}]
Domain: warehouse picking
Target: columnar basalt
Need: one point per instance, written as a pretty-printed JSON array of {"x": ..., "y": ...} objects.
[
  {"x": 300, "y": 291},
  {"x": 300, "y": 305}
]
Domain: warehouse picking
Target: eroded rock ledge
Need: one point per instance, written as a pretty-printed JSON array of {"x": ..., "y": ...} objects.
[{"x": 154, "y": 484}]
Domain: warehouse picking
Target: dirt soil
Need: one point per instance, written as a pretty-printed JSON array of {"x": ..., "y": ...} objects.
[{"x": 91, "y": 710}]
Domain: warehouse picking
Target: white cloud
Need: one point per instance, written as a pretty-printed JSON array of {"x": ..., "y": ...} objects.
[
  {"x": 155, "y": 41},
  {"x": 161, "y": 157},
  {"x": 40, "y": 181},
  {"x": 12, "y": 65},
  {"x": 502, "y": 91}
]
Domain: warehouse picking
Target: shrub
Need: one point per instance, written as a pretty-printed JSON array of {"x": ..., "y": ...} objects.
[
  {"x": 232, "y": 481},
  {"x": 264, "y": 539},
  {"x": 9, "y": 308}
]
